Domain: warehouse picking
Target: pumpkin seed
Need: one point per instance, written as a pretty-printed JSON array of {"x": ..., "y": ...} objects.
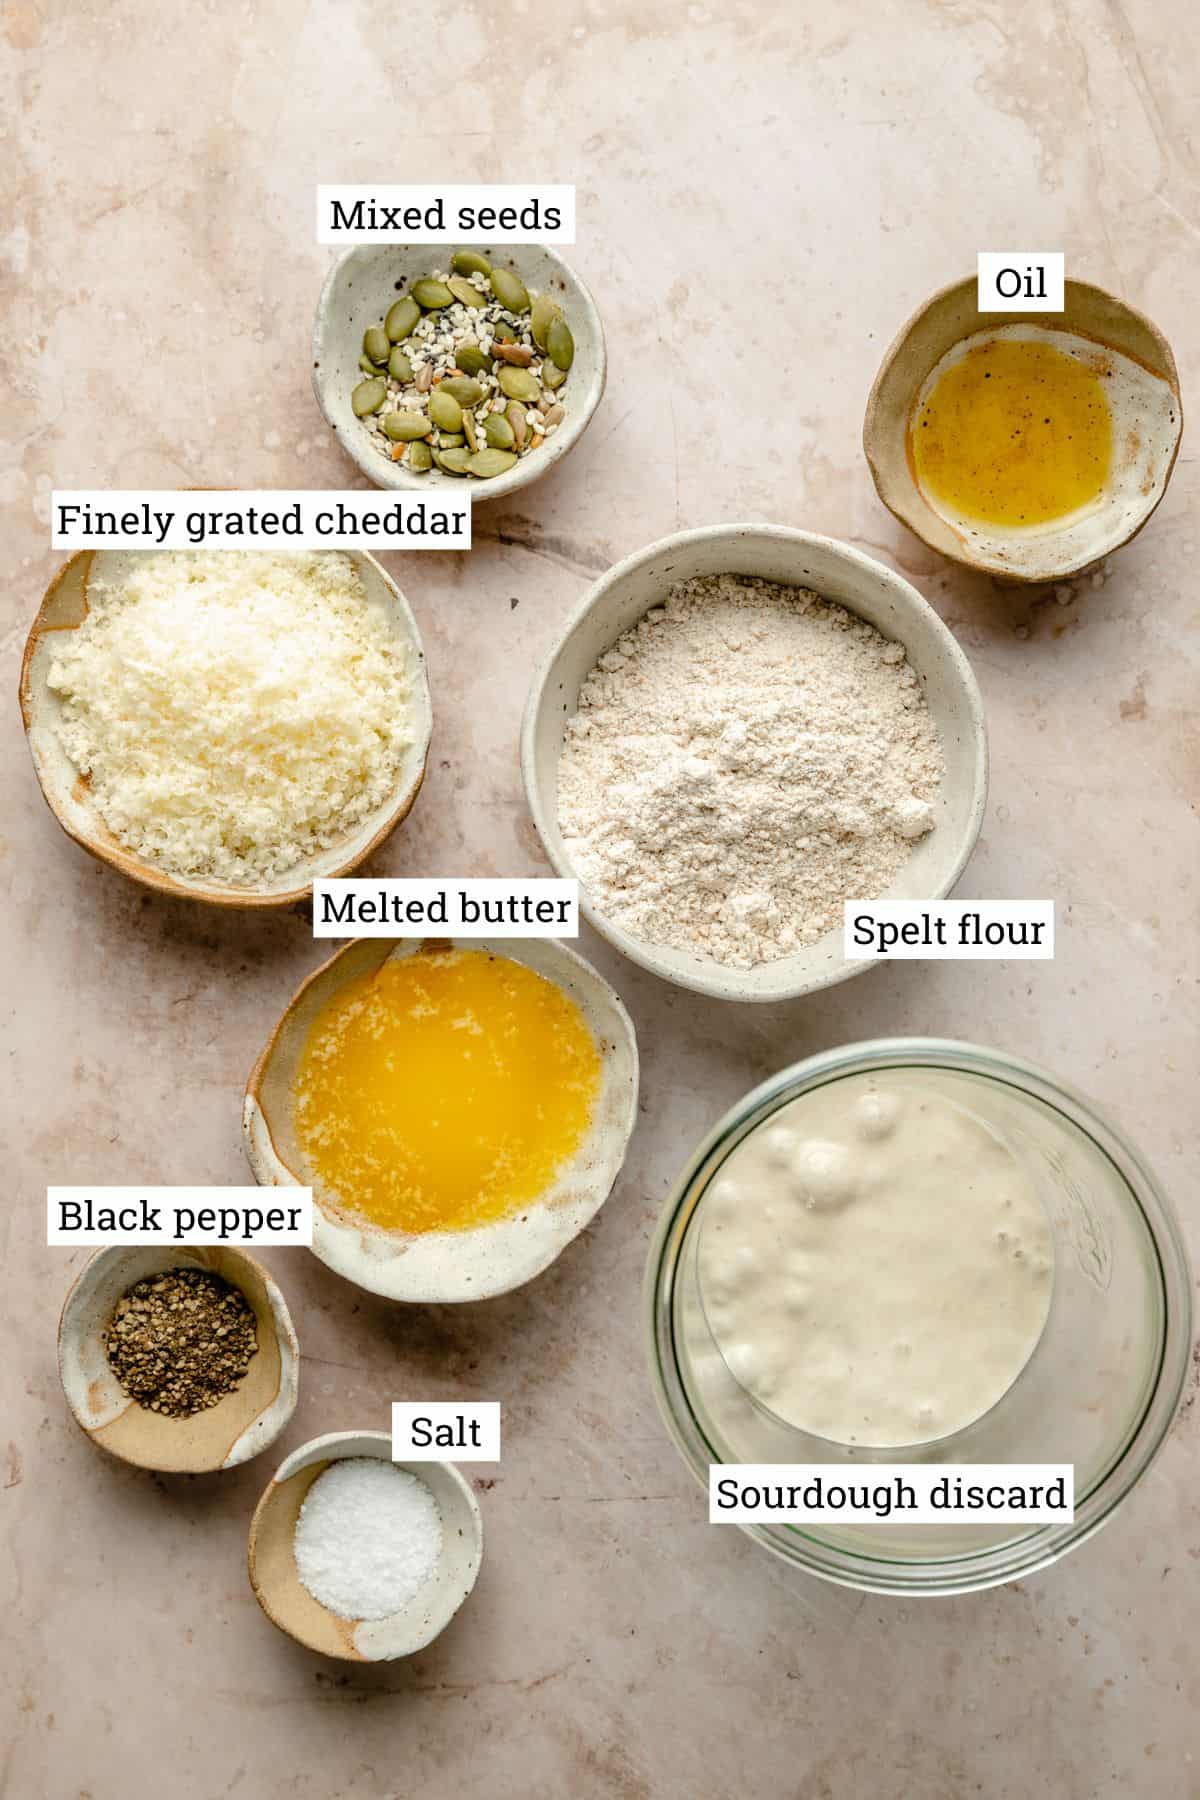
[
  {"x": 520, "y": 355},
  {"x": 542, "y": 314},
  {"x": 503, "y": 334},
  {"x": 552, "y": 376},
  {"x": 486, "y": 463},
  {"x": 510, "y": 290},
  {"x": 368, "y": 397},
  {"x": 466, "y": 390},
  {"x": 454, "y": 462},
  {"x": 469, "y": 262},
  {"x": 403, "y": 427},
  {"x": 431, "y": 296},
  {"x": 466, "y": 291},
  {"x": 560, "y": 343},
  {"x": 376, "y": 344},
  {"x": 518, "y": 384},
  {"x": 450, "y": 440},
  {"x": 498, "y": 432},
  {"x": 366, "y": 365},
  {"x": 403, "y": 318},
  {"x": 445, "y": 410},
  {"x": 514, "y": 412},
  {"x": 471, "y": 359},
  {"x": 399, "y": 367},
  {"x": 420, "y": 458}
]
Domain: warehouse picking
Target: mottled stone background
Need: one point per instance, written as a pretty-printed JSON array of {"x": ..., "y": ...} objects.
[{"x": 762, "y": 199}]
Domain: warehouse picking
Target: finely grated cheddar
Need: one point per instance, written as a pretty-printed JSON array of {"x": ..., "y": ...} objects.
[{"x": 234, "y": 711}]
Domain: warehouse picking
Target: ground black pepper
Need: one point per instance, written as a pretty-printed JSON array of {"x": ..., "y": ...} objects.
[{"x": 180, "y": 1341}]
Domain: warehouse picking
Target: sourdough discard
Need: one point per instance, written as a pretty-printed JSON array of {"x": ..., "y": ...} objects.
[{"x": 744, "y": 760}]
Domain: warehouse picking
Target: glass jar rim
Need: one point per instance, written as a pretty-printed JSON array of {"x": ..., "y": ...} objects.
[{"x": 1042, "y": 1545}]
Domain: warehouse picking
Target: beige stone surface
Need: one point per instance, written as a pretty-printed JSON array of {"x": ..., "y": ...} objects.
[{"x": 763, "y": 197}]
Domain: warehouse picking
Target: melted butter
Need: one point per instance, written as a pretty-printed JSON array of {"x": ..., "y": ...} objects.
[
  {"x": 444, "y": 1091},
  {"x": 1016, "y": 432}
]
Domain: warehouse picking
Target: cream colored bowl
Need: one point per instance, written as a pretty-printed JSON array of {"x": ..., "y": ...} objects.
[
  {"x": 358, "y": 291},
  {"x": 271, "y": 1557},
  {"x": 1147, "y": 426},
  {"x": 837, "y": 572},
  {"x": 237, "y": 1427},
  {"x": 67, "y": 792},
  {"x": 448, "y": 1265}
]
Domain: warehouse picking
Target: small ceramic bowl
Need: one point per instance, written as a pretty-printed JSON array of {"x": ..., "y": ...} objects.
[
  {"x": 358, "y": 291},
  {"x": 489, "y": 1259},
  {"x": 67, "y": 792},
  {"x": 289, "y": 1605},
  {"x": 836, "y": 572},
  {"x": 1119, "y": 343},
  {"x": 232, "y": 1431}
]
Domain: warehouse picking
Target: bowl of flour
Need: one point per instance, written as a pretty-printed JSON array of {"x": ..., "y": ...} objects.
[{"x": 740, "y": 729}]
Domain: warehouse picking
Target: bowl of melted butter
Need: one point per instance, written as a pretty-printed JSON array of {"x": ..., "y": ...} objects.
[
  {"x": 460, "y": 1109},
  {"x": 1029, "y": 446}
]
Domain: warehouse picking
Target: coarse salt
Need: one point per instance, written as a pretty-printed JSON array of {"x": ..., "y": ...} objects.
[{"x": 368, "y": 1538}]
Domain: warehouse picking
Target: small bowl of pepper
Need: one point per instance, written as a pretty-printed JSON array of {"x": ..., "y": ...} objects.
[{"x": 178, "y": 1359}]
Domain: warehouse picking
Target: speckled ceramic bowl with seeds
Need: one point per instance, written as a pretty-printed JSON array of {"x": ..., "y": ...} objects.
[
  {"x": 221, "y": 1436},
  {"x": 271, "y": 1557},
  {"x": 358, "y": 292}
]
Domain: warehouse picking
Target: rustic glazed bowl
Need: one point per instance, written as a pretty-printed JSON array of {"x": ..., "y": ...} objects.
[
  {"x": 477, "y": 1263},
  {"x": 67, "y": 792},
  {"x": 358, "y": 291},
  {"x": 232, "y": 1431},
  {"x": 1143, "y": 459},
  {"x": 837, "y": 572},
  {"x": 289, "y": 1605}
]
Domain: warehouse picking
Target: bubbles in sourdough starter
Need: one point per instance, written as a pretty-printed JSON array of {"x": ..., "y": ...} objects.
[
  {"x": 779, "y": 1146},
  {"x": 822, "y": 1173},
  {"x": 876, "y": 1265},
  {"x": 876, "y": 1115}
]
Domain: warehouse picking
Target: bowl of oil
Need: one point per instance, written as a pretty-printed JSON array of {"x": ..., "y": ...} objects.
[
  {"x": 460, "y": 1109},
  {"x": 1029, "y": 446}
]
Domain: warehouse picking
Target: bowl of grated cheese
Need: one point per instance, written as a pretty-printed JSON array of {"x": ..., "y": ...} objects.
[{"x": 227, "y": 725}]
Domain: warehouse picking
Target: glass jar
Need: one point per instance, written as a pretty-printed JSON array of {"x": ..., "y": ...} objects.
[{"x": 1099, "y": 1391}]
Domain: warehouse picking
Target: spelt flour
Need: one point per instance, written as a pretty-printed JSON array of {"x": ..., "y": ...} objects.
[{"x": 743, "y": 761}]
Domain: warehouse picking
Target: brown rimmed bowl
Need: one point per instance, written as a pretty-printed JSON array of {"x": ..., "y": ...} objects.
[
  {"x": 271, "y": 1557},
  {"x": 67, "y": 793},
  {"x": 1143, "y": 459},
  {"x": 222, "y": 1436}
]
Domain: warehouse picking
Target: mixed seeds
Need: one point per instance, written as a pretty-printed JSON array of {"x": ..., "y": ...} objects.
[{"x": 465, "y": 372}]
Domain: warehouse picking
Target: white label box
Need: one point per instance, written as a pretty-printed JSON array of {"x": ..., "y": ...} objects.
[
  {"x": 483, "y": 906},
  {"x": 489, "y": 213},
  {"x": 429, "y": 1430},
  {"x": 1031, "y": 281},
  {"x": 257, "y": 519},
  {"x": 103, "y": 1216},
  {"x": 871, "y": 1493},
  {"x": 948, "y": 930}
]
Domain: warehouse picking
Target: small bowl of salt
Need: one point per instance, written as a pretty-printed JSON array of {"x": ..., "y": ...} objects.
[{"x": 357, "y": 1556}]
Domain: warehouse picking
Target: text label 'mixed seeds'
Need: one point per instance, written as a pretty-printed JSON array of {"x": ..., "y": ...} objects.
[{"x": 498, "y": 213}]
